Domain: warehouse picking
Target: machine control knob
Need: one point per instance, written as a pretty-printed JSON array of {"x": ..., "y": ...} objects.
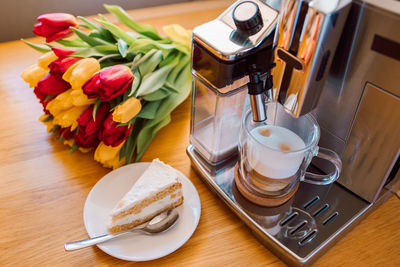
[{"x": 247, "y": 17}]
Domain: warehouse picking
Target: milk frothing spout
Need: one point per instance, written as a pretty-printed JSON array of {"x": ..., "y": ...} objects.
[{"x": 307, "y": 36}]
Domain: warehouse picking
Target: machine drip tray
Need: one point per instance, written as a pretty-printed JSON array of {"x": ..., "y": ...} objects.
[{"x": 300, "y": 230}]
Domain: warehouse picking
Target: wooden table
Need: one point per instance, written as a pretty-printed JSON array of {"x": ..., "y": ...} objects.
[{"x": 43, "y": 188}]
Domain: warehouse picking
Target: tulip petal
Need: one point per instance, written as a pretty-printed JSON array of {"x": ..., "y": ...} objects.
[
  {"x": 58, "y": 35},
  {"x": 52, "y": 83},
  {"x": 127, "y": 110},
  {"x": 108, "y": 156},
  {"x": 46, "y": 59},
  {"x": 62, "y": 52},
  {"x": 33, "y": 74},
  {"x": 81, "y": 71},
  {"x": 67, "y": 117},
  {"x": 58, "y": 19}
]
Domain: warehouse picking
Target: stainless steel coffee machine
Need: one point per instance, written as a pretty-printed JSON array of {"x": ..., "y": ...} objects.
[{"x": 339, "y": 60}]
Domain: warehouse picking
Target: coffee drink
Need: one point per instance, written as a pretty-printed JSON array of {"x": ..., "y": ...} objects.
[{"x": 272, "y": 158}]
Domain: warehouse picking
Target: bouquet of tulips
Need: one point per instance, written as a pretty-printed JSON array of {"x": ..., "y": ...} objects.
[{"x": 105, "y": 88}]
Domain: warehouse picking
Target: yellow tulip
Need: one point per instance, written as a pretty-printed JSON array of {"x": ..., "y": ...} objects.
[
  {"x": 179, "y": 34},
  {"x": 109, "y": 156},
  {"x": 127, "y": 110},
  {"x": 33, "y": 74},
  {"x": 69, "y": 142},
  {"x": 81, "y": 71},
  {"x": 80, "y": 99},
  {"x": 62, "y": 102},
  {"x": 68, "y": 99},
  {"x": 68, "y": 117},
  {"x": 46, "y": 59},
  {"x": 49, "y": 123},
  {"x": 44, "y": 117}
]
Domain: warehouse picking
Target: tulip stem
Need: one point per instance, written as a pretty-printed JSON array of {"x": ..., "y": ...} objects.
[
  {"x": 145, "y": 57},
  {"x": 108, "y": 57}
]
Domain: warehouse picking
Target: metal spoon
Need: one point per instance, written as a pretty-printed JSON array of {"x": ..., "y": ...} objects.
[{"x": 159, "y": 223}]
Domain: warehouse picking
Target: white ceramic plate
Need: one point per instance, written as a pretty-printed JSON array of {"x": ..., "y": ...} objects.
[{"x": 134, "y": 246}]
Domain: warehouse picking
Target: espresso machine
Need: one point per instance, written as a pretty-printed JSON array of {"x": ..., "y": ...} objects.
[{"x": 336, "y": 59}]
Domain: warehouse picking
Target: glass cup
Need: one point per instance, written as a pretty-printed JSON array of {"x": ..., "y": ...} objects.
[{"x": 275, "y": 154}]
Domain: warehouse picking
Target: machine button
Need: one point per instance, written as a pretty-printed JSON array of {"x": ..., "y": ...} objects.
[{"x": 247, "y": 17}]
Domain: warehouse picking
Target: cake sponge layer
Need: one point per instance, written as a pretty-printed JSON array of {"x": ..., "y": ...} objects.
[{"x": 157, "y": 189}]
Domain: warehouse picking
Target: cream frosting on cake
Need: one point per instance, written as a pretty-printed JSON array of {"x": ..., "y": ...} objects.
[{"x": 157, "y": 189}]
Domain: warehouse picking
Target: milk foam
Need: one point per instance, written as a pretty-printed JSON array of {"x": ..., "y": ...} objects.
[{"x": 269, "y": 159}]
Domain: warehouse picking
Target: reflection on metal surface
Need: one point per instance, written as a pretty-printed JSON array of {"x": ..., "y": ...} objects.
[
  {"x": 355, "y": 64},
  {"x": 373, "y": 145},
  {"x": 307, "y": 39}
]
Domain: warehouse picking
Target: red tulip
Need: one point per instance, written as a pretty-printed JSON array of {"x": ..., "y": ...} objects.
[
  {"x": 88, "y": 134},
  {"x": 54, "y": 26},
  {"x": 62, "y": 52},
  {"x": 66, "y": 133},
  {"x": 113, "y": 135},
  {"x": 62, "y": 64},
  {"x": 51, "y": 84},
  {"x": 109, "y": 83}
]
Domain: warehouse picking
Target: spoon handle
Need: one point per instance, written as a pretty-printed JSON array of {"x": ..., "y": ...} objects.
[{"x": 90, "y": 241}]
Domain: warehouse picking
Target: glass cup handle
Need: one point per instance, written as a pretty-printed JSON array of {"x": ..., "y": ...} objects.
[{"x": 324, "y": 179}]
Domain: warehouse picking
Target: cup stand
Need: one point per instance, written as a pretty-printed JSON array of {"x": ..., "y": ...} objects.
[
  {"x": 300, "y": 230},
  {"x": 256, "y": 197}
]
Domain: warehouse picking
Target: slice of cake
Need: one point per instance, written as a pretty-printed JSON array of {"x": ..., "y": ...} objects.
[{"x": 157, "y": 190}]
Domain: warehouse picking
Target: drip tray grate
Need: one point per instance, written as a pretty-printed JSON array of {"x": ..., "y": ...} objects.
[{"x": 298, "y": 231}]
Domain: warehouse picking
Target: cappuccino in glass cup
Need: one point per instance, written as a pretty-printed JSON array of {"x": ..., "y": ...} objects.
[{"x": 275, "y": 154}]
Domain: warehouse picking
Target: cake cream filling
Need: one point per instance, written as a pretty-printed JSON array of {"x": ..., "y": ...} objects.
[{"x": 149, "y": 210}]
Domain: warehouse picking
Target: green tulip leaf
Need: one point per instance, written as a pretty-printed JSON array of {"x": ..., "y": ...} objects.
[
  {"x": 49, "y": 118},
  {"x": 88, "y": 52},
  {"x": 92, "y": 41},
  {"x": 157, "y": 95},
  {"x": 170, "y": 59},
  {"x": 117, "y": 32},
  {"x": 123, "y": 17},
  {"x": 133, "y": 139},
  {"x": 149, "y": 110},
  {"x": 147, "y": 134},
  {"x": 142, "y": 59},
  {"x": 162, "y": 116},
  {"x": 73, "y": 148},
  {"x": 98, "y": 30},
  {"x": 151, "y": 63},
  {"x": 122, "y": 47},
  {"x": 153, "y": 81},
  {"x": 137, "y": 78},
  {"x": 183, "y": 62},
  {"x": 76, "y": 42},
  {"x": 37, "y": 47},
  {"x": 107, "y": 48},
  {"x": 95, "y": 108},
  {"x": 50, "y": 96},
  {"x": 88, "y": 24},
  {"x": 182, "y": 48},
  {"x": 170, "y": 87},
  {"x": 145, "y": 45}
]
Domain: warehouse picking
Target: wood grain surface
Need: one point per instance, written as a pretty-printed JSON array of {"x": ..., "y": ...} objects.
[{"x": 43, "y": 188}]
